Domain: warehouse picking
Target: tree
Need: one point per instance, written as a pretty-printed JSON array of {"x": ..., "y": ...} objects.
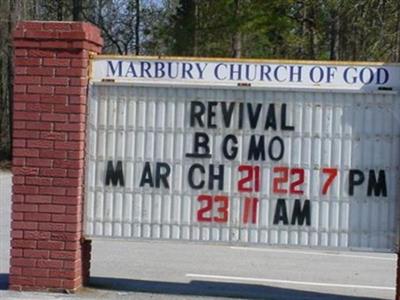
[
  {"x": 119, "y": 22},
  {"x": 295, "y": 29},
  {"x": 77, "y": 10},
  {"x": 137, "y": 28},
  {"x": 12, "y": 11},
  {"x": 237, "y": 36},
  {"x": 184, "y": 24}
]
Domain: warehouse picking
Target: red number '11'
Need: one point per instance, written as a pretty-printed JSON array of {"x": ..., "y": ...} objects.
[
  {"x": 251, "y": 180},
  {"x": 250, "y": 210}
]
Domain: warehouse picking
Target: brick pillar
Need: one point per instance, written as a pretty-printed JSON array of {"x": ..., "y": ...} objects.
[{"x": 48, "y": 251}]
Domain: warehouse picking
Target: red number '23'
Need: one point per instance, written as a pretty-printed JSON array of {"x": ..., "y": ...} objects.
[{"x": 205, "y": 213}]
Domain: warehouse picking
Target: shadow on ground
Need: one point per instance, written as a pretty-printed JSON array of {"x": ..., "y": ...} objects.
[
  {"x": 202, "y": 288},
  {"x": 209, "y": 288}
]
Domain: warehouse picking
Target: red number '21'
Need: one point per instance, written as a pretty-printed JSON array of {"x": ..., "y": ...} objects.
[{"x": 251, "y": 180}]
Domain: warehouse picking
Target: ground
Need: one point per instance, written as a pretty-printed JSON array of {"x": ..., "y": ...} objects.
[{"x": 178, "y": 270}]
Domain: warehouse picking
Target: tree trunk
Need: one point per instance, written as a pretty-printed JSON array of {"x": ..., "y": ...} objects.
[
  {"x": 195, "y": 29},
  {"x": 59, "y": 10},
  {"x": 310, "y": 22},
  {"x": 333, "y": 35},
  {"x": 14, "y": 7},
  {"x": 237, "y": 36},
  {"x": 77, "y": 10},
  {"x": 397, "y": 53},
  {"x": 237, "y": 45},
  {"x": 185, "y": 29},
  {"x": 35, "y": 12},
  {"x": 137, "y": 28}
]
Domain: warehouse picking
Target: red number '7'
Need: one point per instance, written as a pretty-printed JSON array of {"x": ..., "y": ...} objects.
[{"x": 332, "y": 173}]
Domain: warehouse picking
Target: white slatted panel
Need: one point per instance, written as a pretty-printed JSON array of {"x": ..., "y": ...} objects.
[
  {"x": 5, "y": 214},
  {"x": 345, "y": 131}
]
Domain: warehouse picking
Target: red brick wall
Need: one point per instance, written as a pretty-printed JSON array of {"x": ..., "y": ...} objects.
[{"x": 48, "y": 251}]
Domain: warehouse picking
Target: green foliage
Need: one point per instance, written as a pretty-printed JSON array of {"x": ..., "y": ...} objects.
[{"x": 301, "y": 29}]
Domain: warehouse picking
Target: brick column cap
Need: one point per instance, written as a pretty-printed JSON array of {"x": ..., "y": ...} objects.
[{"x": 57, "y": 35}]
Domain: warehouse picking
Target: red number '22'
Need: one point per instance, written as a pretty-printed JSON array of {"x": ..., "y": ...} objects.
[{"x": 297, "y": 179}]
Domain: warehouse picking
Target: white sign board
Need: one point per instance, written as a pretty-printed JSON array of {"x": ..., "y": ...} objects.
[
  {"x": 302, "y": 75},
  {"x": 243, "y": 165}
]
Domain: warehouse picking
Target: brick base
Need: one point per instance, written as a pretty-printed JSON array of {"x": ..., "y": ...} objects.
[{"x": 50, "y": 90}]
